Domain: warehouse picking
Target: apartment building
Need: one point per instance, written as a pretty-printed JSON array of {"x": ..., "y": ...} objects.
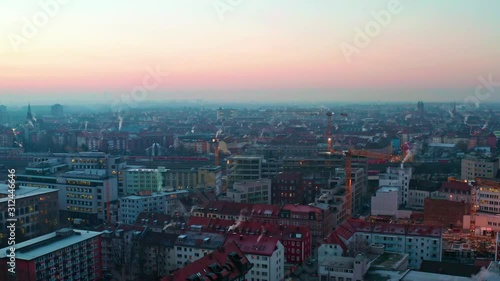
[
  {"x": 67, "y": 254},
  {"x": 266, "y": 254},
  {"x": 318, "y": 218},
  {"x": 473, "y": 167},
  {"x": 296, "y": 240},
  {"x": 158, "y": 255},
  {"x": 420, "y": 242},
  {"x": 120, "y": 247},
  {"x": 253, "y": 191},
  {"x": 190, "y": 246},
  {"x": 36, "y": 211},
  {"x": 227, "y": 262}
]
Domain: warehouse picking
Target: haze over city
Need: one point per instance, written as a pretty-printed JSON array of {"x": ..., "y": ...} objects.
[
  {"x": 262, "y": 140},
  {"x": 253, "y": 50}
]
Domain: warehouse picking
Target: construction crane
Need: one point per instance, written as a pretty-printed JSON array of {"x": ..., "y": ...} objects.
[
  {"x": 108, "y": 203},
  {"x": 329, "y": 139},
  {"x": 348, "y": 171},
  {"x": 473, "y": 209},
  {"x": 329, "y": 130}
]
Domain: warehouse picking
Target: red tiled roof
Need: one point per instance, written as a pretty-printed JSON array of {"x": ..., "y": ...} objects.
[
  {"x": 203, "y": 266},
  {"x": 250, "y": 227},
  {"x": 253, "y": 244},
  {"x": 301, "y": 208},
  {"x": 454, "y": 185}
]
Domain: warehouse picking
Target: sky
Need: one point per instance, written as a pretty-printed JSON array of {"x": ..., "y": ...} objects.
[{"x": 70, "y": 51}]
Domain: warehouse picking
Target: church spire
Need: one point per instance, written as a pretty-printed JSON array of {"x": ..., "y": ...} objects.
[{"x": 29, "y": 115}]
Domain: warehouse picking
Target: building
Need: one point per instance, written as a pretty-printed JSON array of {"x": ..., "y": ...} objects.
[
  {"x": 226, "y": 113},
  {"x": 83, "y": 194},
  {"x": 296, "y": 188},
  {"x": 355, "y": 268},
  {"x": 296, "y": 240},
  {"x": 37, "y": 212},
  {"x": 243, "y": 168},
  {"x": 386, "y": 201},
  {"x": 225, "y": 263},
  {"x": 473, "y": 167},
  {"x": 453, "y": 190},
  {"x": 488, "y": 197},
  {"x": 119, "y": 246},
  {"x": 157, "y": 254},
  {"x": 266, "y": 254},
  {"x": 319, "y": 220},
  {"x": 445, "y": 213},
  {"x": 398, "y": 177},
  {"x": 190, "y": 178},
  {"x": 131, "y": 206},
  {"x": 144, "y": 180},
  {"x": 420, "y": 242},
  {"x": 161, "y": 202},
  {"x": 190, "y": 246},
  {"x": 57, "y": 110},
  {"x": 66, "y": 254},
  {"x": 254, "y": 191}
]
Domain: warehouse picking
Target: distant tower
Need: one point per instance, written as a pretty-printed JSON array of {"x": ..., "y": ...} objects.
[
  {"x": 57, "y": 110},
  {"x": 454, "y": 108},
  {"x": 420, "y": 106},
  {"x": 29, "y": 115}
]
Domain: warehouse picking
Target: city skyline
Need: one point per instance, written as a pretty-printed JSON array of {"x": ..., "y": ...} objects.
[{"x": 250, "y": 50}]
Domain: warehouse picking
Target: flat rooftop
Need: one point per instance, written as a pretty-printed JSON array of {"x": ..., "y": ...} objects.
[
  {"x": 388, "y": 260},
  {"x": 45, "y": 244},
  {"x": 388, "y": 275},
  {"x": 23, "y": 191}
]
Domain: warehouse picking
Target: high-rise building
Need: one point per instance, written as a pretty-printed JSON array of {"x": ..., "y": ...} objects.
[{"x": 67, "y": 254}]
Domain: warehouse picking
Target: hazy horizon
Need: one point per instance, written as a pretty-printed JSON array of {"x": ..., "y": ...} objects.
[{"x": 254, "y": 51}]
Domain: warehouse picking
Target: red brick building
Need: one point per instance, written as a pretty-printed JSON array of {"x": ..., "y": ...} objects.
[{"x": 445, "y": 213}]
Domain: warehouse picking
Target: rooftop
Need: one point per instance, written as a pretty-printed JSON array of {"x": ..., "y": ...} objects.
[
  {"x": 22, "y": 192},
  {"x": 227, "y": 261},
  {"x": 254, "y": 245},
  {"x": 49, "y": 243},
  {"x": 205, "y": 240}
]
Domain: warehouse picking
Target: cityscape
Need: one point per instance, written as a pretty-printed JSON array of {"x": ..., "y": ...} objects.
[{"x": 226, "y": 140}]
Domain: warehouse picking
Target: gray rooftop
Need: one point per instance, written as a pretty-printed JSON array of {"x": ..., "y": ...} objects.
[
  {"x": 24, "y": 191},
  {"x": 45, "y": 244}
]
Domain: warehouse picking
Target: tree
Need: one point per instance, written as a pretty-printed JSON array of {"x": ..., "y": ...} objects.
[{"x": 357, "y": 246}]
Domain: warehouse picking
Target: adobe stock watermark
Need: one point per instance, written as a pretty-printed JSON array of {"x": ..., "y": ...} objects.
[
  {"x": 483, "y": 91},
  {"x": 31, "y": 26},
  {"x": 223, "y": 6},
  {"x": 363, "y": 37}
]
